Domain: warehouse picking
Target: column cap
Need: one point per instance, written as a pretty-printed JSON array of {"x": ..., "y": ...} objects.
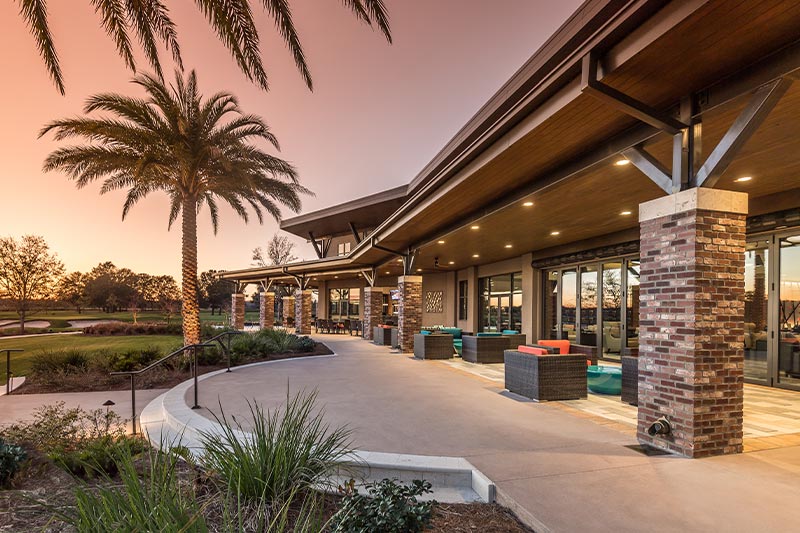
[
  {"x": 409, "y": 279},
  {"x": 695, "y": 198}
]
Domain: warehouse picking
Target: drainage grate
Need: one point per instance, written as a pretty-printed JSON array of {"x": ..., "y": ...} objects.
[{"x": 647, "y": 450}]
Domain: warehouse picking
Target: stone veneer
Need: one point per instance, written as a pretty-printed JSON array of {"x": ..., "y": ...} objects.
[
  {"x": 288, "y": 310},
  {"x": 373, "y": 309},
  {"x": 302, "y": 312},
  {"x": 409, "y": 314},
  {"x": 266, "y": 310},
  {"x": 237, "y": 311},
  {"x": 691, "y": 321}
]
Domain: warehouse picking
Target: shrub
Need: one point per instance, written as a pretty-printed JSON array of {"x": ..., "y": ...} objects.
[
  {"x": 269, "y": 341},
  {"x": 88, "y": 458},
  {"x": 390, "y": 507},
  {"x": 11, "y": 459},
  {"x": 125, "y": 328},
  {"x": 287, "y": 449},
  {"x": 59, "y": 361},
  {"x": 128, "y": 360}
]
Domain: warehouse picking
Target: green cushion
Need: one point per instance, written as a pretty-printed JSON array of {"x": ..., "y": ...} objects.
[
  {"x": 510, "y": 332},
  {"x": 489, "y": 334},
  {"x": 455, "y": 332},
  {"x": 457, "y": 344}
]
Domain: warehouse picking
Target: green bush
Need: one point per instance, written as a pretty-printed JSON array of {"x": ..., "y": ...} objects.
[
  {"x": 268, "y": 342},
  {"x": 59, "y": 361},
  {"x": 93, "y": 457},
  {"x": 390, "y": 507},
  {"x": 126, "y": 328},
  {"x": 287, "y": 449},
  {"x": 128, "y": 360},
  {"x": 11, "y": 459}
]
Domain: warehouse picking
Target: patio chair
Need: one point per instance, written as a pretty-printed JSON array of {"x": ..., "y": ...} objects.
[
  {"x": 433, "y": 346},
  {"x": 534, "y": 374}
]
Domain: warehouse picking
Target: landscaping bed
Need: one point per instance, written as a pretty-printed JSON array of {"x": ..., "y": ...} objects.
[{"x": 80, "y": 472}]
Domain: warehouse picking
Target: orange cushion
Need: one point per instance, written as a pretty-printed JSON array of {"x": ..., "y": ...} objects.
[
  {"x": 531, "y": 350},
  {"x": 563, "y": 346}
]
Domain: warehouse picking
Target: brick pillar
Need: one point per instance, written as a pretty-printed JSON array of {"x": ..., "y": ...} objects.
[
  {"x": 302, "y": 312},
  {"x": 266, "y": 310},
  {"x": 288, "y": 309},
  {"x": 373, "y": 309},
  {"x": 237, "y": 311},
  {"x": 691, "y": 327},
  {"x": 409, "y": 313}
]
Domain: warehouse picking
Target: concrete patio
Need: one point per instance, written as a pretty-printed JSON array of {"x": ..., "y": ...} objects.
[{"x": 559, "y": 471}]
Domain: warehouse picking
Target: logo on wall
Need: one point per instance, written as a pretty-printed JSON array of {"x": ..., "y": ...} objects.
[{"x": 434, "y": 302}]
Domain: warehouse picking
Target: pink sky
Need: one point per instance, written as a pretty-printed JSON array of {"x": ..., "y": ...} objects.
[{"x": 378, "y": 113}]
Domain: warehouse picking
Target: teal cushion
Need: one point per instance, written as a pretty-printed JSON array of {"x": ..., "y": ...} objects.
[
  {"x": 455, "y": 332},
  {"x": 489, "y": 334},
  {"x": 425, "y": 332},
  {"x": 457, "y": 344},
  {"x": 510, "y": 332}
]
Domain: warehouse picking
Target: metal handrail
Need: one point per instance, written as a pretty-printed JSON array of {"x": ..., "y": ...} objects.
[
  {"x": 8, "y": 366},
  {"x": 134, "y": 373},
  {"x": 226, "y": 348}
]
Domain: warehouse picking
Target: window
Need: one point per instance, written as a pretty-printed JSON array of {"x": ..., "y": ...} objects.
[
  {"x": 343, "y": 303},
  {"x": 501, "y": 302},
  {"x": 463, "y": 299},
  {"x": 343, "y": 248}
]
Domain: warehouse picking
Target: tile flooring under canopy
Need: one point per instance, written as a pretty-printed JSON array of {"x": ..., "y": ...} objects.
[{"x": 768, "y": 412}]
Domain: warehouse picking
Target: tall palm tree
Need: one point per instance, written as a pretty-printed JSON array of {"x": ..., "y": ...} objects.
[
  {"x": 177, "y": 142},
  {"x": 150, "y": 23}
]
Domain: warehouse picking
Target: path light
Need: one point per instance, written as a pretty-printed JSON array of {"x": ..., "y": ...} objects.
[{"x": 107, "y": 404}]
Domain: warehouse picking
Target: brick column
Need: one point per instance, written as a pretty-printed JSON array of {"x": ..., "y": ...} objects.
[
  {"x": 691, "y": 327},
  {"x": 237, "y": 311},
  {"x": 266, "y": 310},
  {"x": 409, "y": 313},
  {"x": 302, "y": 312},
  {"x": 288, "y": 309},
  {"x": 373, "y": 309}
]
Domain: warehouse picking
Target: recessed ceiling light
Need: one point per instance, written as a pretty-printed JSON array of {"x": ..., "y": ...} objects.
[
  {"x": 387, "y": 272},
  {"x": 625, "y": 213},
  {"x": 419, "y": 270},
  {"x": 508, "y": 245},
  {"x": 621, "y": 162},
  {"x": 440, "y": 242},
  {"x": 475, "y": 255},
  {"x": 528, "y": 204},
  {"x": 474, "y": 227},
  {"x": 399, "y": 260},
  {"x": 337, "y": 277},
  {"x": 451, "y": 262},
  {"x": 743, "y": 179},
  {"x": 555, "y": 233}
]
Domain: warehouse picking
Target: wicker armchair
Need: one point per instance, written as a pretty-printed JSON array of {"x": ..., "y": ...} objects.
[
  {"x": 483, "y": 349},
  {"x": 436, "y": 346},
  {"x": 546, "y": 377},
  {"x": 630, "y": 379}
]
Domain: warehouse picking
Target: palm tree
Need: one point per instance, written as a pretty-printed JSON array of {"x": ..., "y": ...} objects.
[
  {"x": 150, "y": 22},
  {"x": 176, "y": 142}
]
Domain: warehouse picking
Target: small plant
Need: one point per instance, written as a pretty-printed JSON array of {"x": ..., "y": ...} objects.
[
  {"x": 390, "y": 507},
  {"x": 286, "y": 450},
  {"x": 11, "y": 459},
  {"x": 129, "y": 359}
]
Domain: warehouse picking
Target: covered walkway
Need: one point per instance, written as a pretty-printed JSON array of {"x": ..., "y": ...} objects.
[{"x": 561, "y": 472}]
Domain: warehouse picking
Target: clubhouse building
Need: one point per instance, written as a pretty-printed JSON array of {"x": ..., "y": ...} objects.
[{"x": 634, "y": 189}]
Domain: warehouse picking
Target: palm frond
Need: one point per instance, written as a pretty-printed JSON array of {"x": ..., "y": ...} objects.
[
  {"x": 34, "y": 12},
  {"x": 281, "y": 13},
  {"x": 113, "y": 14}
]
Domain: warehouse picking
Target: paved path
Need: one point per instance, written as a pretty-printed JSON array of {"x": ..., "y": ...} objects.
[
  {"x": 17, "y": 407},
  {"x": 561, "y": 472}
]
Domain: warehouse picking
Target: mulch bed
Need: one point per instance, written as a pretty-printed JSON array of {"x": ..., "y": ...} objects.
[{"x": 157, "y": 378}]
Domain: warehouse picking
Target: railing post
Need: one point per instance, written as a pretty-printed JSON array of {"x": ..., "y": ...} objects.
[
  {"x": 228, "y": 352},
  {"x": 133, "y": 402},
  {"x": 8, "y": 372},
  {"x": 194, "y": 357}
]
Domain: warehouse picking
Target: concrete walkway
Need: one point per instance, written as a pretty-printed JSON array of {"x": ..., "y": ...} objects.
[
  {"x": 19, "y": 407},
  {"x": 560, "y": 472}
]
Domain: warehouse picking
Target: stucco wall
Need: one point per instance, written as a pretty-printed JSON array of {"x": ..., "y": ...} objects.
[{"x": 443, "y": 282}]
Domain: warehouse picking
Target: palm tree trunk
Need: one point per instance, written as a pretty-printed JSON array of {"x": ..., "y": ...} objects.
[{"x": 190, "y": 310}]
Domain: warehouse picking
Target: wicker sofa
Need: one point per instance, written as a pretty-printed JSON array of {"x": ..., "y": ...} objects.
[
  {"x": 487, "y": 348},
  {"x": 545, "y": 377},
  {"x": 435, "y": 346}
]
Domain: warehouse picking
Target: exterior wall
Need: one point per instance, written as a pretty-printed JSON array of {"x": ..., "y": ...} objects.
[
  {"x": 333, "y": 251},
  {"x": 409, "y": 316},
  {"x": 691, "y": 334},
  {"x": 471, "y": 276},
  {"x": 502, "y": 267},
  {"x": 302, "y": 312},
  {"x": 266, "y": 310},
  {"x": 237, "y": 311},
  {"x": 444, "y": 282},
  {"x": 530, "y": 296}
]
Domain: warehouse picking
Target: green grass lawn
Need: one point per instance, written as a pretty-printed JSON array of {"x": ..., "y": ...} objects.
[
  {"x": 20, "y": 362},
  {"x": 124, "y": 316}
]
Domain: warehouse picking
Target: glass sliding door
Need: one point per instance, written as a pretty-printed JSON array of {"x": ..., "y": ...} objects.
[
  {"x": 550, "y": 305},
  {"x": 788, "y": 309},
  {"x": 756, "y": 311},
  {"x": 569, "y": 304},
  {"x": 588, "y": 316},
  {"x": 613, "y": 339},
  {"x": 501, "y": 302},
  {"x": 631, "y": 304}
]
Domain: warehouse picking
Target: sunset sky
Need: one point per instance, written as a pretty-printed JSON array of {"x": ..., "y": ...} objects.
[{"x": 378, "y": 113}]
